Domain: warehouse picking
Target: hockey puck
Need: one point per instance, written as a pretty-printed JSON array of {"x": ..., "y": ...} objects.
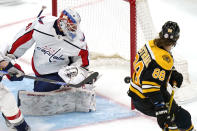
[{"x": 127, "y": 79}]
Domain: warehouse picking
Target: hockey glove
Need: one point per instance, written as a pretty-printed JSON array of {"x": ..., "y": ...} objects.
[
  {"x": 72, "y": 74},
  {"x": 15, "y": 73},
  {"x": 71, "y": 71},
  {"x": 176, "y": 77},
  {"x": 161, "y": 112}
]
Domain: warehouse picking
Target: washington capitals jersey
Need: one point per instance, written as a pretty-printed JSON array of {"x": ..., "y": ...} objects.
[
  {"x": 52, "y": 49},
  {"x": 152, "y": 68}
]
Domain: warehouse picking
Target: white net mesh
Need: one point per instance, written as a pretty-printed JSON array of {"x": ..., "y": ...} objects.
[{"x": 145, "y": 27}]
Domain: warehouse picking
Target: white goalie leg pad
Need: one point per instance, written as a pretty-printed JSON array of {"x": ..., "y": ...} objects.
[
  {"x": 47, "y": 103},
  {"x": 9, "y": 106},
  {"x": 56, "y": 102},
  {"x": 85, "y": 100}
]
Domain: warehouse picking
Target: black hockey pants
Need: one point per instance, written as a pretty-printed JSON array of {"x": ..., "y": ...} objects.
[{"x": 182, "y": 117}]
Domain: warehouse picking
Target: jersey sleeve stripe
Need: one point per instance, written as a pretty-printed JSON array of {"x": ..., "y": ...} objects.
[
  {"x": 150, "y": 83},
  {"x": 137, "y": 92},
  {"x": 150, "y": 90},
  {"x": 15, "y": 116},
  {"x": 20, "y": 41},
  {"x": 149, "y": 86},
  {"x": 136, "y": 87}
]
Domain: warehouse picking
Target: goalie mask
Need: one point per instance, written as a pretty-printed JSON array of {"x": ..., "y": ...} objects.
[
  {"x": 68, "y": 22},
  {"x": 170, "y": 30}
]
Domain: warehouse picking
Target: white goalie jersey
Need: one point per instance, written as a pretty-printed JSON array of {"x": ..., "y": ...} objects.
[{"x": 52, "y": 50}]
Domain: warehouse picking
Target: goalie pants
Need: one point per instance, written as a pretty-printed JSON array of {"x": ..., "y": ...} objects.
[
  {"x": 40, "y": 86},
  {"x": 182, "y": 116}
]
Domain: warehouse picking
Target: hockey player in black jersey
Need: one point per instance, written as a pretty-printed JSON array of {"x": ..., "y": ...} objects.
[{"x": 153, "y": 70}]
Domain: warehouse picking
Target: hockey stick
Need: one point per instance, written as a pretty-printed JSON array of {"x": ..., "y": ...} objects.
[
  {"x": 170, "y": 103},
  {"x": 86, "y": 80},
  {"x": 172, "y": 97},
  {"x": 43, "y": 7}
]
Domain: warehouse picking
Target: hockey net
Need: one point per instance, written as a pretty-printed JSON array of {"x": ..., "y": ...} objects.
[{"x": 115, "y": 29}]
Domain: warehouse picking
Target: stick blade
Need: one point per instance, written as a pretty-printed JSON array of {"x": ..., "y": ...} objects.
[{"x": 86, "y": 80}]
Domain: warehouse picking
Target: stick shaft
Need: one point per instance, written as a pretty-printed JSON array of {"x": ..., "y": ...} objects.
[
  {"x": 45, "y": 80},
  {"x": 86, "y": 80},
  {"x": 43, "y": 7},
  {"x": 170, "y": 103}
]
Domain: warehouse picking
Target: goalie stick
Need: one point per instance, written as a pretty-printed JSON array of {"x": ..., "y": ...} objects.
[
  {"x": 90, "y": 78},
  {"x": 86, "y": 80}
]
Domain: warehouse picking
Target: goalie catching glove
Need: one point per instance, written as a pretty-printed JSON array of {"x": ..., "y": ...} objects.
[{"x": 73, "y": 74}]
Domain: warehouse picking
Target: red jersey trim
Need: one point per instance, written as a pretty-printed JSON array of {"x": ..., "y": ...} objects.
[
  {"x": 84, "y": 56},
  {"x": 33, "y": 67},
  {"x": 20, "y": 41},
  {"x": 14, "y": 117}
]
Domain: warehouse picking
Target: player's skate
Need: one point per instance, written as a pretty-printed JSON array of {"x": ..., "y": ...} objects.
[{"x": 20, "y": 126}]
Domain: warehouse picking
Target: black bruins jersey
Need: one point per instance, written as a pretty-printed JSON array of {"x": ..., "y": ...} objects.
[{"x": 152, "y": 68}]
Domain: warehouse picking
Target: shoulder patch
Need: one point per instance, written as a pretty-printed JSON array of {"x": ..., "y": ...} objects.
[
  {"x": 161, "y": 56},
  {"x": 166, "y": 58}
]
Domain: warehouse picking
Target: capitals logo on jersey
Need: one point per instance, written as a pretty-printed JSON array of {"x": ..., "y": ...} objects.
[{"x": 52, "y": 53}]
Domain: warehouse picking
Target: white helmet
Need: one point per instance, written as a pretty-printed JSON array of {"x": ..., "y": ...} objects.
[{"x": 68, "y": 22}]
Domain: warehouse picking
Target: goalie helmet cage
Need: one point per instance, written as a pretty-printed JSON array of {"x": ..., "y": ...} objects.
[{"x": 119, "y": 26}]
